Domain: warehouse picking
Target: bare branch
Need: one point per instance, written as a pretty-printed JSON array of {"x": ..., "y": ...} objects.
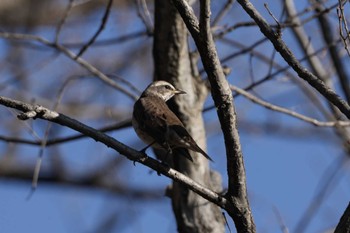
[
  {"x": 145, "y": 16},
  {"x": 289, "y": 112},
  {"x": 71, "y": 55},
  {"x": 270, "y": 76},
  {"x": 344, "y": 223},
  {"x": 327, "y": 33},
  {"x": 99, "y": 30},
  {"x": 37, "y": 111},
  {"x": 25, "y": 173},
  {"x": 222, "y": 96},
  {"x": 343, "y": 25},
  {"x": 304, "y": 42},
  {"x": 224, "y": 10},
  {"x": 56, "y": 141},
  {"x": 63, "y": 20},
  {"x": 188, "y": 17},
  {"x": 289, "y": 57},
  {"x": 327, "y": 183}
]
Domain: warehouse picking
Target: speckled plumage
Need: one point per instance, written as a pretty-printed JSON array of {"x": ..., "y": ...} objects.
[{"x": 156, "y": 124}]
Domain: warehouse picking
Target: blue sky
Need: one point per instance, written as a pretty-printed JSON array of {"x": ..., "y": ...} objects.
[{"x": 285, "y": 168}]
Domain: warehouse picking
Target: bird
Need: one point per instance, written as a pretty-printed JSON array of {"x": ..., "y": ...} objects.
[{"x": 158, "y": 126}]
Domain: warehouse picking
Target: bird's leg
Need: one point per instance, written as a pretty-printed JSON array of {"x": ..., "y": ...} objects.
[
  {"x": 148, "y": 146},
  {"x": 143, "y": 151},
  {"x": 165, "y": 158},
  {"x": 168, "y": 149}
]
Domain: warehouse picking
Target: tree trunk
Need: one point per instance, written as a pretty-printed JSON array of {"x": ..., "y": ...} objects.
[{"x": 173, "y": 63}]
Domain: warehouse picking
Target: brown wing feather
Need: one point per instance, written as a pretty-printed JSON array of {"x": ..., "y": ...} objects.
[
  {"x": 158, "y": 120},
  {"x": 151, "y": 111}
]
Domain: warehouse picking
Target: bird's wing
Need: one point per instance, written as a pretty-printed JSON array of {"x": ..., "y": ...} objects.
[
  {"x": 184, "y": 152},
  {"x": 187, "y": 140},
  {"x": 153, "y": 116}
]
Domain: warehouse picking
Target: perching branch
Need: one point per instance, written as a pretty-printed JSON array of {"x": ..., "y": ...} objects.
[{"x": 37, "y": 111}]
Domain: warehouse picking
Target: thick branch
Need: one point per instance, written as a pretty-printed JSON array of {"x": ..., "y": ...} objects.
[
  {"x": 37, "y": 111},
  {"x": 173, "y": 63},
  {"x": 344, "y": 223},
  {"x": 289, "y": 57},
  {"x": 222, "y": 96}
]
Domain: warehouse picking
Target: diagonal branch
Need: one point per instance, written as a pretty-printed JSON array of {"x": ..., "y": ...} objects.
[
  {"x": 99, "y": 30},
  {"x": 56, "y": 141},
  {"x": 289, "y": 57},
  {"x": 93, "y": 70},
  {"x": 326, "y": 29},
  {"x": 37, "y": 111},
  {"x": 200, "y": 30},
  {"x": 289, "y": 112},
  {"x": 344, "y": 223}
]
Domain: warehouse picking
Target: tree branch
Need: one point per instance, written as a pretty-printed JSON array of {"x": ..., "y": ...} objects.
[
  {"x": 99, "y": 30},
  {"x": 289, "y": 57},
  {"x": 37, "y": 111},
  {"x": 93, "y": 70},
  {"x": 239, "y": 208},
  {"x": 56, "y": 141},
  {"x": 25, "y": 173},
  {"x": 344, "y": 223},
  {"x": 289, "y": 112}
]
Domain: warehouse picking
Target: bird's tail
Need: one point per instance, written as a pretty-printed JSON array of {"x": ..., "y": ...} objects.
[
  {"x": 184, "y": 152},
  {"x": 206, "y": 155},
  {"x": 203, "y": 153}
]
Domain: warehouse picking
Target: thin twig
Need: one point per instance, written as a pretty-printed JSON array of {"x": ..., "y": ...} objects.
[
  {"x": 343, "y": 25},
  {"x": 63, "y": 20},
  {"x": 326, "y": 186},
  {"x": 327, "y": 32},
  {"x": 281, "y": 222},
  {"x": 281, "y": 25},
  {"x": 267, "y": 78},
  {"x": 279, "y": 28},
  {"x": 43, "y": 142},
  {"x": 99, "y": 30},
  {"x": 71, "y": 55},
  {"x": 56, "y": 141},
  {"x": 222, "y": 12},
  {"x": 143, "y": 13},
  {"x": 28, "y": 127},
  {"x": 294, "y": 63},
  {"x": 289, "y": 112},
  {"x": 126, "y": 82}
]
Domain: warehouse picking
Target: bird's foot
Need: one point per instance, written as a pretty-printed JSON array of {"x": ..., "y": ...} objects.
[{"x": 161, "y": 167}]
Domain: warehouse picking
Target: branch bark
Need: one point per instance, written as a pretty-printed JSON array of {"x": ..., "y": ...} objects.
[
  {"x": 37, "y": 111},
  {"x": 289, "y": 57},
  {"x": 344, "y": 223},
  {"x": 239, "y": 208},
  {"x": 174, "y": 63}
]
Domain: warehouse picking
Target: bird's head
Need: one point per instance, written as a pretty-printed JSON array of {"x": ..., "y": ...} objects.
[{"x": 162, "y": 89}]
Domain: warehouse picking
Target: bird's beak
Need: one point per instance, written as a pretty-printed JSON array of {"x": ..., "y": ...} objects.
[{"x": 179, "y": 92}]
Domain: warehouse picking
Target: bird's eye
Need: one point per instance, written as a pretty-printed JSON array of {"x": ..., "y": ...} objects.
[{"x": 168, "y": 87}]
